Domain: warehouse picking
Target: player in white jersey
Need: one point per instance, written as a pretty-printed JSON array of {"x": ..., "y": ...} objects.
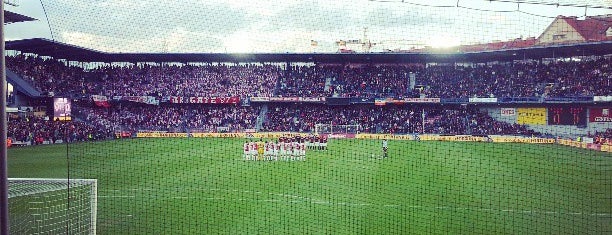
[
  {"x": 385, "y": 148},
  {"x": 296, "y": 149},
  {"x": 275, "y": 152},
  {"x": 253, "y": 150},
  {"x": 266, "y": 153},
  {"x": 324, "y": 143},
  {"x": 245, "y": 153},
  {"x": 282, "y": 150},
  {"x": 289, "y": 147},
  {"x": 302, "y": 147}
]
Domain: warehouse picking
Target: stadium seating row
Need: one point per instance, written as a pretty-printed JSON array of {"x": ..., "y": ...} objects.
[
  {"x": 519, "y": 79},
  {"x": 95, "y": 123}
]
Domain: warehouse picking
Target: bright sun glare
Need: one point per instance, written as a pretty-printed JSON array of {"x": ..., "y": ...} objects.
[{"x": 444, "y": 41}]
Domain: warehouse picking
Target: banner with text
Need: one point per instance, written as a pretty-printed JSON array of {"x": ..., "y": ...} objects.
[
  {"x": 289, "y": 99},
  {"x": 203, "y": 100},
  {"x": 507, "y": 112},
  {"x": 100, "y": 100},
  {"x": 259, "y": 99},
  {"x": 482, "y": 100},
  {"x": 600, "y": 115},
  {"x": 602, "y": 98},
  {"x": 138, "y": 99},
  {"x": 414, "y": 100},
  {"x": 535, "y": 116}
]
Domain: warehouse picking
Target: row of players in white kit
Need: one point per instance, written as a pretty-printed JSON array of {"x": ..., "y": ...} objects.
[{"x": 274, "y": 151}]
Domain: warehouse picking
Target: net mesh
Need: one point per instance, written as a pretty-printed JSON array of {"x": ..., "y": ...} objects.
[
  {"x": 297, "y": 26},
  {"x": 423, "y": 146},
  {"x": 52, "y": 206}
]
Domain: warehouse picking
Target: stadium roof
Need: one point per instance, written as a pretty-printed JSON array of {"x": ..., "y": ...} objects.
[
  {"x": 12, "y": 17},
  {"x": 57, "y": 50}
]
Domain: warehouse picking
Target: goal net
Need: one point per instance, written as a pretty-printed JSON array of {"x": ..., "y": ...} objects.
[
  {"x": 52, "y": 206},
  {"x": 322, "y": 128}
]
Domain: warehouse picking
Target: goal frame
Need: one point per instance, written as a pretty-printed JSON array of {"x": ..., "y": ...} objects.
[{"x": 68, "y": 184}]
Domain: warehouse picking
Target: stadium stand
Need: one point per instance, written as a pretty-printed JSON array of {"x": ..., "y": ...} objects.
[
  {"x": 525, "y": 79},
  {"x": 38, "y": 130},
  {"x": 218, "y": 80},
  {"x": 392, "y": 119},
  {"x": 520, "y": 79},
  {"x": 172, "y": 118}
]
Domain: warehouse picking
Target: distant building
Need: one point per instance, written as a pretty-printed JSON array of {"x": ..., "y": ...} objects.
[
  {"x": 566, "y": 30},
  {"x": 499, "y": 45}
]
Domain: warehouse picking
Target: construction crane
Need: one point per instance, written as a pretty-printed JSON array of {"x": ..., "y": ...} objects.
[
  {"x": 399, "y": 45},
  {"x": 344, "y": 46}
]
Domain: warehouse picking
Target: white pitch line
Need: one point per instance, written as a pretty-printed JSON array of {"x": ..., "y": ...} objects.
[{"x": 307, "y": 199}]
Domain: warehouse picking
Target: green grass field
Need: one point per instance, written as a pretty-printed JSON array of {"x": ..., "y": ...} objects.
[{"x": 202, "y": 186}]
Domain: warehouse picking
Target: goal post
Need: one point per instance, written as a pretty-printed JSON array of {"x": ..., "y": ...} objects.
[
  {"x": 323, "y": 128},
  {"x": 52, "y": 206}
]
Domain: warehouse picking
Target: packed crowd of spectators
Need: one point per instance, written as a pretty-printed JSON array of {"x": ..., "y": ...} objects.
[
  {"x": 172, "y": 118},
  {"x": 520, "y": 79},
  {"x": 220, "y": 80},
  {"x": 34, "y": 130},
  {"x": 601, "y": 137},
  {"x": 306, "y": 81},
  {"x": 392, "y": 119},
  {"x": 222, "y": 119},
  {"x": 374, "y": 81},
  {"x": 189, "y": 80},
  {"x": 554, "y": 79},
  {"x": 470, "y": 121},
  {"x": 48, "y": 75}
]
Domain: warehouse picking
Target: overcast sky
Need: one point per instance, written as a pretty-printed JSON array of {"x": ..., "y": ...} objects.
[{"x": 280, "y": 25}]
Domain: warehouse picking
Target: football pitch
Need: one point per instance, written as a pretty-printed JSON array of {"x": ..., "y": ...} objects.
[{"x": 203, "y": 186}]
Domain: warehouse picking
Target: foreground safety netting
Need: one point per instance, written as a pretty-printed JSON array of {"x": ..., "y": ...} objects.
[
  {"x": 302, "y": 26},
  {"x": 447, "y": 146}
]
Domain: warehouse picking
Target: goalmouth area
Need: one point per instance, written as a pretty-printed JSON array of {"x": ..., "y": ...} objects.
[{"x": 202, "y": 185}]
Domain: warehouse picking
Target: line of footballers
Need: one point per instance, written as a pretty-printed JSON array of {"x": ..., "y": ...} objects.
[{"x": 284, "y": 149}]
